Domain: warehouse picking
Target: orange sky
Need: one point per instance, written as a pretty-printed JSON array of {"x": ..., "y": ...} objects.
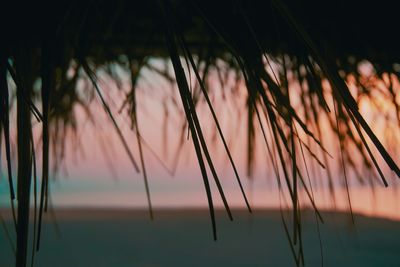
[{"x": 92, "y": 169}]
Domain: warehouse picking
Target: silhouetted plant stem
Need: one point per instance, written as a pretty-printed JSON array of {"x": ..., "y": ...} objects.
[{"x": 24, "y": 73}]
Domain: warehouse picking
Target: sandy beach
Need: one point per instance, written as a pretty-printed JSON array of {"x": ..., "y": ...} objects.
[{"x": 118, "y": 237}]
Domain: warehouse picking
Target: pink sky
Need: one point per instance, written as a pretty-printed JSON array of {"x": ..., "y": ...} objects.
[{"x": 92, "y": 169}]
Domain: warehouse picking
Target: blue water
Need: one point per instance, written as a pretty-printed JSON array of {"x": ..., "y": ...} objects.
[{"x": 184, "y": 238}]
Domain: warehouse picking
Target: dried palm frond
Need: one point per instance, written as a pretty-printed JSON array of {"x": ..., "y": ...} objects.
[{"x": 267, "y": 46}]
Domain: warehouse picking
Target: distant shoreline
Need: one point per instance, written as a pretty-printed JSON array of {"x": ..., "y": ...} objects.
[{"x": 99, "y": 213}]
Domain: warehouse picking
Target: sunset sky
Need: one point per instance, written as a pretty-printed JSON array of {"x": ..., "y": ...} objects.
[{"x": 97, "y": 172}]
